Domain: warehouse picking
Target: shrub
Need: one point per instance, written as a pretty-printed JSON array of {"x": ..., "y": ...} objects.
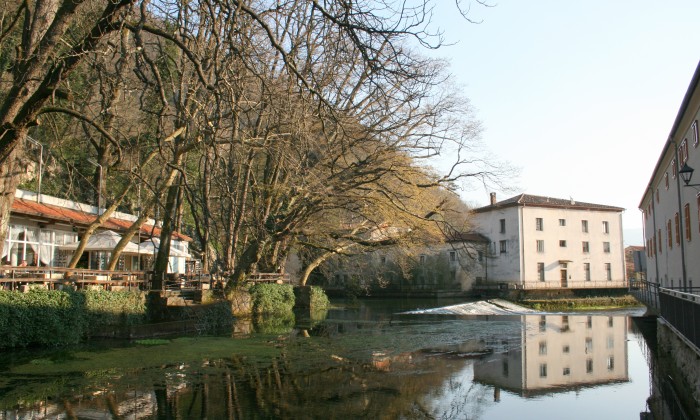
[
  {"x": 319, "y": 299},
  {"x": 272, "y": 298},
  {"x": 114, "y": 308},
  {"x": 57, "y": 318},
  {"x": 44, "y": 317}
]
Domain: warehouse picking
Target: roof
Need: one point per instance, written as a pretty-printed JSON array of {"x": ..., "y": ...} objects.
[
  {"x": 53, "y": 213},
  {"x": 466, "y": 237},
  {"x": 549, "y": 202}
]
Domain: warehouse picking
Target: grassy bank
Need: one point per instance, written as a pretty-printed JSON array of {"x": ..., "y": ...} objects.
[{"x": 581, "y": 303}]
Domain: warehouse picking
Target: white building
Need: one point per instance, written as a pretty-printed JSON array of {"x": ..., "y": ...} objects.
[
  {"x": 548, "y": 243},
  {"x": 671, "y": 210},
  {"x": 43, "y": 230}
]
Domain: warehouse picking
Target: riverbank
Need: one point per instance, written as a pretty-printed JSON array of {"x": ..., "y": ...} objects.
[{"x": 580, "y": 303}]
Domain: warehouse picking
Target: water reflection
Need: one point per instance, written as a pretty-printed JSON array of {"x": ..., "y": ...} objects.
[
  {"x": 560, "y": 353},
  {"x": 367, "y": 366}
]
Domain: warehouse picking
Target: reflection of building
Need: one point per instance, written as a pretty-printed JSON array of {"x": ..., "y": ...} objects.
[
  {"x": 547, "y": 243},
  {"x": 560, "y": 353},
  {"x": 43, "y": 232}
]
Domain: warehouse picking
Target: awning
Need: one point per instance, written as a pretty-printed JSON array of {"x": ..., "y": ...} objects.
[
  {"x": 105, "y": 240},
  {"x": 151, "y": 247}
]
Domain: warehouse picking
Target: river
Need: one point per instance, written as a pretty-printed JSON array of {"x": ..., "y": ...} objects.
[{"x": 366, "y": 359}]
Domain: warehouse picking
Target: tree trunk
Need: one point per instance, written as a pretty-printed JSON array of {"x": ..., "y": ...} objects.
[{"x": 9, "y": 179}]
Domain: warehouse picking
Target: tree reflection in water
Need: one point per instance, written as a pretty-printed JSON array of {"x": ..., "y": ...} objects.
[{"x": 413, "y": 367}]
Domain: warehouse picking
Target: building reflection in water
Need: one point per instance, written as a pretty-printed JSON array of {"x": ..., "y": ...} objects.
[{"x": 559, "y": 353}]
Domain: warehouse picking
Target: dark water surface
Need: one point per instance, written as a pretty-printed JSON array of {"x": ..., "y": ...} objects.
[{"x": 363, "y": 361}]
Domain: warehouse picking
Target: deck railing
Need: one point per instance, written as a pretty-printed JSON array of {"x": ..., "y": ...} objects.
[
  {"x": 21, "y": 278},
  {"x": 574, "y": 285}
]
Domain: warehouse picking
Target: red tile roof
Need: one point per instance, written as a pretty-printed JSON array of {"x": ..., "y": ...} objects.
[{"x": 22, "y": 207}]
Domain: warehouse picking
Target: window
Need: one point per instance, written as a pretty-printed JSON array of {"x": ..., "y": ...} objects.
[
  {"x": 606, "y": 247},
  {"x": 589, "y": 345},
  {"x": 686, "y": 217},
  {"x": 666, "y": 180},
  {"x": 657, "y": 195},
  {"x": 562, "y": 244},
  {"x": 608, "y": 272},
  {"x": 540, "y": 271},
  {"x": 505, "y": 367},
  {"x": 611, "y": 321},
  {"x": 674, "y": 169},
  {"x": 611, "y": 363},
  {"x": 683, "y": 152},
  {"x": 660, "y": 243},
  {"x": 503, "y": 246},
  {"x": 422, "y": 259},
  {"x": 589, "y": 365},
  {"x": 695, "y": 133},
  {"x": 562, "y": 222},
  {"x": 539, "y": 225},
  {"x": 677, "y": 219},
  {"x": 698, "y": 203},
  {"x": 503, "y": 225},
  {"x": 610, "y": 342},
  {"x": 566, "y": 371},
  {"x": 543, "y": 348},
  {"x": 606, "y": 227},
  {"x": 566, "y": 349},
  {"x": 540, "y": 245},
  {"x": 543, "y": 370},
  {"x": 589, "y": 322},
  {"x": 587, "y": 271},
  {"x": 669, "y": 232},
  {"x": 543, "y": 323},
  {"x": 383, "y": 260},
  {"x": 584, "y": 226},
  {"x": 480, "y": 256},
  {"x": 453, "y": 256},
  {"x": 586, "y": 247}
]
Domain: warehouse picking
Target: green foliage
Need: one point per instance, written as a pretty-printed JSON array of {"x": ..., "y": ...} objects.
[
  {"x": 58, "y": 318},
  {"x": 582, "y": 303},
  {"x": 152, "y": 342},
  {"x": 279, "y": 324},
  {"x": 319, "y": 299},
  {"x": 114, "y": 308},
  {"x": 41, "y": 317},
  {"x": 214, "y": 317},
  {"x": 272, "y": 298}
]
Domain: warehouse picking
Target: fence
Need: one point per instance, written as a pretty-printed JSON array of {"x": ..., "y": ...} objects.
[
  {"x": 682, "y": 311},
  {"x": 21, "y": 278}
]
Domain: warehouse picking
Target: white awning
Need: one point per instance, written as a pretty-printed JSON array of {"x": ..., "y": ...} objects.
[{"x": 105, "y": 240}]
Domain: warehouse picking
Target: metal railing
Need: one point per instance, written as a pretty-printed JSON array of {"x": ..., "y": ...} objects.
[
  {"x": 682, "y": 311},
  {"x": 574, "y": 285}
]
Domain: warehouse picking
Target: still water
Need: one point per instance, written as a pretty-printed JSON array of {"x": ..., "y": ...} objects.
[{"x": 362, "y": 361}]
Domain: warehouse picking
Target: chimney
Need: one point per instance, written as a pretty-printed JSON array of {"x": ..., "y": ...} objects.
[{"x": 493, "y": 198}]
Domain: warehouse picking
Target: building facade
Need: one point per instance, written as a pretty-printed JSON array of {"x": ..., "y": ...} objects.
[
  {"x": 547, "y": 243},
  {"x": 43, "y": 229},
  {"x": 671, "y": 210}
]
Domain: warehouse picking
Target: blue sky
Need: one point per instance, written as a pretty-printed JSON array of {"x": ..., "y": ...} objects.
[{"x": 580, "y": 96}]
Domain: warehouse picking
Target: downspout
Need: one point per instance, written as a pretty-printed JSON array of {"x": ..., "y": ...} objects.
[
  {"x": 656, "y": 244},
  {"x": 681, "y": 234},
  {"x": 521, "y": 251}
]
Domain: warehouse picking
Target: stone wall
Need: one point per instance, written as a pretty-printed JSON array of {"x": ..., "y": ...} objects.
[{"x": 684, "y": 362}]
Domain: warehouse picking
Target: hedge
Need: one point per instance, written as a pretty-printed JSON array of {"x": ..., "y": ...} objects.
[
  {"x": 56, "y": 318},
  {"x": 272, "y": 298}
]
